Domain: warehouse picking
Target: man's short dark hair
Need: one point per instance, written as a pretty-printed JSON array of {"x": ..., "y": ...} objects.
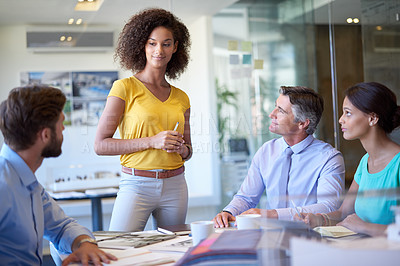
[
  {"x": 307, "y": 104},
  {"x": 28, "y": 110}
]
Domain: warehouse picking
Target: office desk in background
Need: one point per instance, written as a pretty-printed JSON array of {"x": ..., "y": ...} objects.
[{"x": 95, "y": 196}]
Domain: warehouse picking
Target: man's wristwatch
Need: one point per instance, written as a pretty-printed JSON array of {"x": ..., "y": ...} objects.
[
  {"x": 227, "y": 212},
  {"x": 90, "y": 240}
]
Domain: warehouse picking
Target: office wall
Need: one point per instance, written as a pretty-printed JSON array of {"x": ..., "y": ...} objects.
[
  {"x": 198, "y": 81},
  {"x": 15, "y": 58},
  {"x": 202, "y": 171}
]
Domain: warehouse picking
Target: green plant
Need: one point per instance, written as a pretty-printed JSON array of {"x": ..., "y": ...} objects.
[{"x": 225, "y": 98}]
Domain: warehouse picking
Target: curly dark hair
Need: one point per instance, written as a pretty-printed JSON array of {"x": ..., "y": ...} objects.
[
  {"x": 26, "y": 111},
  {"x": 132, "y": 40}
]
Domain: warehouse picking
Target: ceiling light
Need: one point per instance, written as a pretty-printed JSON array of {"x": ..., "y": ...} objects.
[
  {"x": 79, "y": 21},
  {"x": 378, "y": 27},
  {"x": 87, "y": 5},
  {"x": 62, "y": 38},
  {"x": 69, "y": 39},
  {"x": 349, "y": 20},
  {"x": 356, "y": 20},
  {"x": 70, "y": 21}
]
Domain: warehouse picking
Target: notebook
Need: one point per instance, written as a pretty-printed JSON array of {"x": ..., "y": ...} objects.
[{"x": 334, "y": 231}]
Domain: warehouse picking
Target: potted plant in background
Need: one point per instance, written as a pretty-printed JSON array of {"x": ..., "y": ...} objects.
[{"x": 225, "y": 99}]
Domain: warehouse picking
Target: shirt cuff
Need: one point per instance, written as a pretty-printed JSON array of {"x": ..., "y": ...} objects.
[
  {"x": 285, "y": 214},
  {"x": 231, "y": 210},
  {"x": 69, "y": 237}
]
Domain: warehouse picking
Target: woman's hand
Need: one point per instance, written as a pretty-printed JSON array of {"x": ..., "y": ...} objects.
[
  {"x": 312, "y": 220},
  {"x": 354, "y": 223},
  {"x": 169, "y": 141}
]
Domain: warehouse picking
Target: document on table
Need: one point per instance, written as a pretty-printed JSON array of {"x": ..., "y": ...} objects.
[
  {"x": 334, "y": 231},
  {"x": 121, "y": 240},
  {"x": 166, "y": 252},
  {"x": 139, "y": 257}
]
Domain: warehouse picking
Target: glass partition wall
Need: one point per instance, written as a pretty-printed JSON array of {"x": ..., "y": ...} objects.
[
  {"x": 259, "y": 47},
  {"x": 262, "y": 45}
]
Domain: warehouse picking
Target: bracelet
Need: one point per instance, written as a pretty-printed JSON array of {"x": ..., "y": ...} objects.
[
  {"x": 323, "y": 217},
  {"x": 90, "y": 240},
  {"x": 326, "y": 219},
  {"x": 190, "y": 152}
]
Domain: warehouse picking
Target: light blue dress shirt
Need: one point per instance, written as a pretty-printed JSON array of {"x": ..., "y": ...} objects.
[
  {"x": 27, "y": 213},
  {"x": 316, "y": 179}
]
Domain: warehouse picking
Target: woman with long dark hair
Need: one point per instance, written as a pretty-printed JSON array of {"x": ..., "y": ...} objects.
[{"x": 370, "y": 113}]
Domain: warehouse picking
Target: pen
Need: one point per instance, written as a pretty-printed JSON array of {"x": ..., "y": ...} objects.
[
  {"x": 297, "y": 211},
  {"x": 176, "y": 126},
  {"x": 164, "y": 231}
]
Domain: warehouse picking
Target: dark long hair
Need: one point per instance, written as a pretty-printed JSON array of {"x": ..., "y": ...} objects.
[{"x": 373, "y": 97}]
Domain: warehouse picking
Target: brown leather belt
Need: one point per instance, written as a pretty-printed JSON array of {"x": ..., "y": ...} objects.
[{"x": 154, "y": 174}]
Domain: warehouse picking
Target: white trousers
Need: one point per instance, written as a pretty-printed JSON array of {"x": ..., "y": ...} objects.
[{"x": 138, "y": 197}]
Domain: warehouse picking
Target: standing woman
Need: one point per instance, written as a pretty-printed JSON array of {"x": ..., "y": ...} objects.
[
  {"x": 370, "y": 113},
  {"x": 146, "y": 110}
]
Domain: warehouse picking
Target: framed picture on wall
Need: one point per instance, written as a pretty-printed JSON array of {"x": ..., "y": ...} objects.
[
  {"x": 86, "y": 92},
  {"x": 56, "y": 79},
  {"x": 89, "y": 93}
]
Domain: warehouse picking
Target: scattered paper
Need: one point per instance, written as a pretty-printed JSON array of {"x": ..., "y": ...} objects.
[
  {"x": 146, "y": 259},
  {"x": 233, "y": 59},
  {"x": 247, "y": 46},
  {"x": 247, "y": 59},
  {"x": 258, "y": 64},
  {"x": 246, "y": 72},
  {"x": 232, "y": 45},
  {"x": 236, "y": 73}
]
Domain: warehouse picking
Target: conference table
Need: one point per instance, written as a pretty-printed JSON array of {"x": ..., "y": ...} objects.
[{"x": 282, "y": 247}]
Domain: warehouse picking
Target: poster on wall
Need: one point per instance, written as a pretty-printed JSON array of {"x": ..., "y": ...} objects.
[{"x": 86, "y": 92}]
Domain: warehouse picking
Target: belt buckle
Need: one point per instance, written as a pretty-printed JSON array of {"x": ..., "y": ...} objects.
[{"x": 159, "y": 172}]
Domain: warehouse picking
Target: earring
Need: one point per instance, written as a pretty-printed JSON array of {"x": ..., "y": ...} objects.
[{"x": 370, "y": 123}]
